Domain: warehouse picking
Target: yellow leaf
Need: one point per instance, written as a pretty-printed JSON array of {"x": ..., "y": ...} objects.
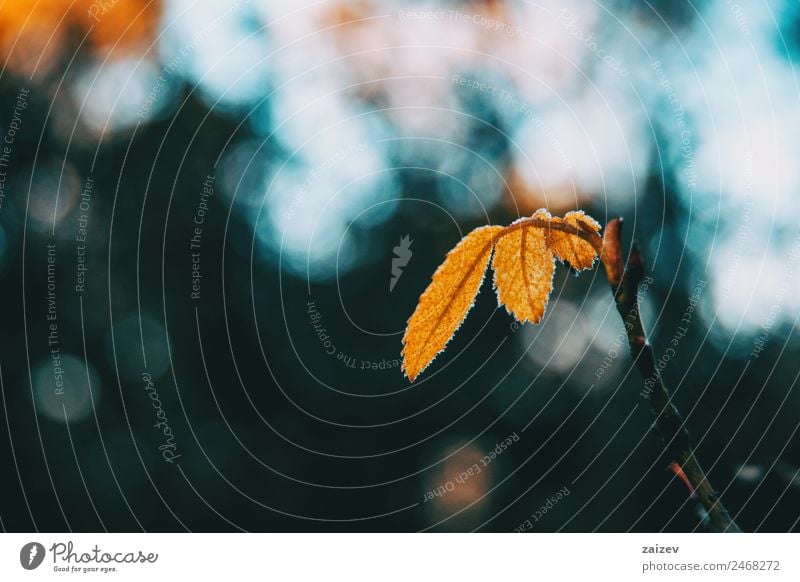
[
  {"x": 446, "y": 301},
  {"x": 523, "y": 265},
  {"x": 569, "y": 247},
  {"x": 523, "y": 270}
]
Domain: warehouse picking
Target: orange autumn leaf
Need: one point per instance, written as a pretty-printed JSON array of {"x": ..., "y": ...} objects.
[
  {"x": 523, "y": 271},
  {"x": 568, "y": 246},
  {"x": 523, "y": 265},
  {"x": 446, "y": 301}
]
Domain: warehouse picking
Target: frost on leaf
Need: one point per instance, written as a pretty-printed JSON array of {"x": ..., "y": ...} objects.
[
  {"x": 523, "y": 271},
  {"x": 523, "y": 265},
  {"x": 569, "y": 247},
  {"x": 446, "y": 301}
]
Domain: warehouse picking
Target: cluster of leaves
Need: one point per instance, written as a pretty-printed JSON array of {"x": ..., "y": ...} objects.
[{"x": 523, "y": 265}]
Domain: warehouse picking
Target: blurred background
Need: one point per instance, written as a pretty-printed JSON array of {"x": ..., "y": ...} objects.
[{"x": 216, "y": 218}]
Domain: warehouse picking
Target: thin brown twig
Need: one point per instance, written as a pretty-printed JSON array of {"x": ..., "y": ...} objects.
[{"x": 624, "y": 278}]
